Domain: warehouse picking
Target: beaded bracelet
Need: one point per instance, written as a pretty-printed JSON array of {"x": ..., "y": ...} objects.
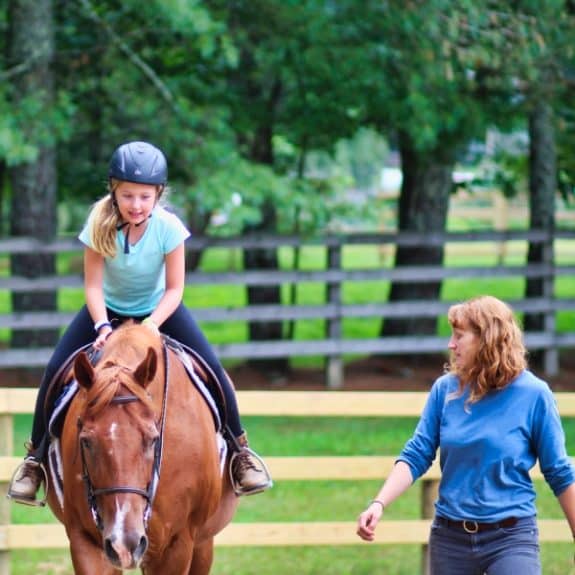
[
  {"x": 100, "y": 324},
  {"x": 378, "y": 501}
]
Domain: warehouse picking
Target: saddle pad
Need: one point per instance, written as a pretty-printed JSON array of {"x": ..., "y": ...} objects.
[
  {"x": 188, "y": 364},
  {"x": 61, "y": 407}
]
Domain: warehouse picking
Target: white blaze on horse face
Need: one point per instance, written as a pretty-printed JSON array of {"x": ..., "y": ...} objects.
[
  {"x": 113, "y": 434},
  {"x": 118, "y": 534},
  {"x": 121, "y": 511},
  {"x": 113, "y": 430}
]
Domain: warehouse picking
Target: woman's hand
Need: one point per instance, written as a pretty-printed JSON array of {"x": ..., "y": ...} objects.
[
  {"x": 103, "y": 335},
  {"x": 369, "y": 519}
]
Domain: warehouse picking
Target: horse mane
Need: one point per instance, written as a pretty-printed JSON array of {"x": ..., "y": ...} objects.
[{"x": 124, "y": 350}]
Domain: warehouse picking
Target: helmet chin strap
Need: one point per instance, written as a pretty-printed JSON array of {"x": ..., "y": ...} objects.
[{"x": 127, "y": 236}]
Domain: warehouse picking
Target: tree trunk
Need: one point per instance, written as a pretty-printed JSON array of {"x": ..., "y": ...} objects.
[
  {"x": 423, "y": 207},
  {"x": 265, "y": 259},
  {"x": 262, "y": 259},
  {"x": 197, "y": 222},
  {"x": 542, "y": 187},
  {"x": 33, "y": 211}
]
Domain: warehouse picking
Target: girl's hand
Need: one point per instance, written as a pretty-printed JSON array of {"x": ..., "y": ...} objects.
[
  {"x": 368, "y": 520},
  {"x": 103, "y": 335}
]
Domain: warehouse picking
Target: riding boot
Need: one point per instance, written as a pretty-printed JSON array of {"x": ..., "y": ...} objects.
[
  {"x": 248, "y": 473},
  {"x": 27, "y": 479}
]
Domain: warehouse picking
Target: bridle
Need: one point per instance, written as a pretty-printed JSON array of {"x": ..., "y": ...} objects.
[{"x": 149, "y": 493}]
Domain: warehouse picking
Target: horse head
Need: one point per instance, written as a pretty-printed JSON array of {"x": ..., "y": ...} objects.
[{"x": 119, "y": 438}]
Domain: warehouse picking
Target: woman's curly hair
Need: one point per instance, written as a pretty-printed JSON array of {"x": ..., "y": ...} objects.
[{"x": 501, "y": 354}]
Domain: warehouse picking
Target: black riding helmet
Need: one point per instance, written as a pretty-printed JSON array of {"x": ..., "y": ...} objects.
[{"x": 139, "y": 162}]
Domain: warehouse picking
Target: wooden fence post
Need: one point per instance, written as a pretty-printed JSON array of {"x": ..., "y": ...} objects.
[
  {"x": 551, "y": 354},
  {"x": 6, "y": 447},
  {"x": 429, "y": 490},
  {"x": 334, "y": 363},
  {"x": 501, "y": 222}
]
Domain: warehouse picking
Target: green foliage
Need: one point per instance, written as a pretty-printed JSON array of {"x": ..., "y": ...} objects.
[
  {"x": 505, "y": 167},
  {"x": 142, "y": 72},
  {"x": 30, "y": 124},
  {"x": 286, "y": 99},
  {"x": 14, "y": 147},
  {"x": 565, "y": 132},
  {"x": 362, "y": 156},
  {"x": 234, "y": 194},
  {"x": 274, "y": 83}
]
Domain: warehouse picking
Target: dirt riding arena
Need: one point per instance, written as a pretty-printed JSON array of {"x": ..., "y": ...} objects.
[
  {"x": 372, "y": 374},
  {"x": 377, "y": 374}
]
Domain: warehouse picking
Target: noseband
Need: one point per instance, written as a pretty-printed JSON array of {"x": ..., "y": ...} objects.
[{"x": 149, "y": 493}]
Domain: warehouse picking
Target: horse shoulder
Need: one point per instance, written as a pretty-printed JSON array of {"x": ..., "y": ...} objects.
[{"x": 227, "y": 506}]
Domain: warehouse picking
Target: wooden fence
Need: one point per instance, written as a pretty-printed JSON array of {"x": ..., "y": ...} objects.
[
  {"x": 277, "y": 403},
  {"x": 334, "y": 345}
]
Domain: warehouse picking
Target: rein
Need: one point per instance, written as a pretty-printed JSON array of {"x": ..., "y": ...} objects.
[{"x": 149, "y": 493}]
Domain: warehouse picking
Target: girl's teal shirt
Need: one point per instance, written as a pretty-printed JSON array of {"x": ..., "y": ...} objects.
[{"x": 134, "y": 282}]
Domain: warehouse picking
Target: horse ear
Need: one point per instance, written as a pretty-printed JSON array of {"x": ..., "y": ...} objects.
[
  {"x": 146, "y": 371},
  {"x": 83, "y": 370}
]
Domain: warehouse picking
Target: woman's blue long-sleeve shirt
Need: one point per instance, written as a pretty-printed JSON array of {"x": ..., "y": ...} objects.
[{"x": 487, "y": 448}]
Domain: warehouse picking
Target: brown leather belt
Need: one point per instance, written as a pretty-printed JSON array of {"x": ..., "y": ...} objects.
[{"x": 475, "y": 527}]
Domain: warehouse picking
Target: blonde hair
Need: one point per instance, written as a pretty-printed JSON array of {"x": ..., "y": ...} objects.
[
  {"x": 104, "y": 219},
  {"x": 501, "y": 353}
]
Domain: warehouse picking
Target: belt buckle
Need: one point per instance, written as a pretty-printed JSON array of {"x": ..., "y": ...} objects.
[{"x": 470, "y": 526}]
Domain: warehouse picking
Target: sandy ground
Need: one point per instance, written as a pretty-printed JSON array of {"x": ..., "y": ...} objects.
[{"x": 373, "y": 374}]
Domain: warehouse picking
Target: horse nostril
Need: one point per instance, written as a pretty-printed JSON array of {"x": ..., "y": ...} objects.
[
  {"x": 125, "y": 552},
  {"x": 110, "y": 551},
  {"x": 141, "y": 548}
]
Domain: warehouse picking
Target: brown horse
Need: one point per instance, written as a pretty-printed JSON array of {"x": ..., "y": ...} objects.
[{"x": 142, "y": 482}]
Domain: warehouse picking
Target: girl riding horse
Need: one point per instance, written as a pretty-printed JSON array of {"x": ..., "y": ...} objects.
[{"x": 134, "y": 268}]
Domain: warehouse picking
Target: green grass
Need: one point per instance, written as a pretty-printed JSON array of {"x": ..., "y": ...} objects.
[{"x": 311, "y": 501}]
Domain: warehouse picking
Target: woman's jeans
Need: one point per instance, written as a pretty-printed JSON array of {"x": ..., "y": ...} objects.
[{"x": 499, "y": 551}]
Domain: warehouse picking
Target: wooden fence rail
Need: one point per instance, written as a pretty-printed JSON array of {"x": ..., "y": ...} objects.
[
  {"x": 276, "y": 403},
  {"x": 334, "y": 344}
]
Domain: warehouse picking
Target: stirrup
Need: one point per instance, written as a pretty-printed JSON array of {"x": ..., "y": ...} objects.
[
  {"x": 238, "y": 489},
  {"x": 31, "y": 502}
]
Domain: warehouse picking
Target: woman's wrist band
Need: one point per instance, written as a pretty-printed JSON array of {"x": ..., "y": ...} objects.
[
  {"x": 100, "y": 324},
  {"x": 150, "y": 321},
  {"x": 378, "y": 501}
]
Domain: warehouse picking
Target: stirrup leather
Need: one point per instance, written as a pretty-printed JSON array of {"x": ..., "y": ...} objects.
[
  {"x": 31, "y": 502},
  {"x": 238, "y": 489}
]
